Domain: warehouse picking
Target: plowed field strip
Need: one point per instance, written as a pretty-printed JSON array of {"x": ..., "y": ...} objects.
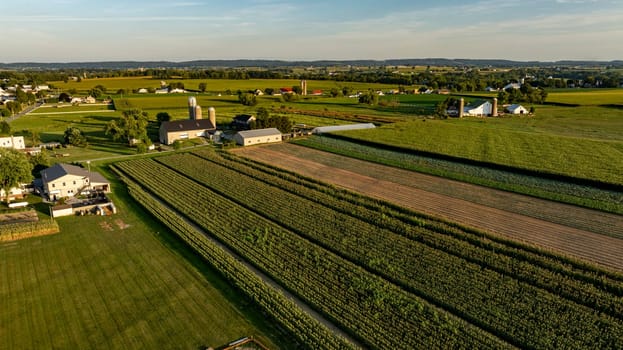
[{"x": 571, "y": 241}]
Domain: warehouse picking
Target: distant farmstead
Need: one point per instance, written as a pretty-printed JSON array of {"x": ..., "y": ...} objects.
[{"x": 258, "y": 136}]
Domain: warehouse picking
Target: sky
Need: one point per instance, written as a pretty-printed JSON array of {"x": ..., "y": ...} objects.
[{"x": 181, "y": 30}]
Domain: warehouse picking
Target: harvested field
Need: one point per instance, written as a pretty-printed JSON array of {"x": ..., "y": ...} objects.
[{"x": 421, "y": 193}]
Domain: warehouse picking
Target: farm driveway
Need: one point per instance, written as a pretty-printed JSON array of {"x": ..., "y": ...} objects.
[{"x": 405, "y": 188}]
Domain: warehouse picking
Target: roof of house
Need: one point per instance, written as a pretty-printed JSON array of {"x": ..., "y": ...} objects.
[
  {"x": 331, "y": 128},
  {"x": 59, "y": 170},
  {"x": 259, "y": 132},
  {"x": 477, "y": 103},
  {"x": 514, "y": 106},
  {"x": 187, "y": 125}
]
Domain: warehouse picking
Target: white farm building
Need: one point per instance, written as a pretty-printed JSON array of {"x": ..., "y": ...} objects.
[
  {"x": 516, "y": 109},
  {"x": 480, "y": 108},
  {"x": 257, "y": 136},
  {"x": 332, "y": 128}
]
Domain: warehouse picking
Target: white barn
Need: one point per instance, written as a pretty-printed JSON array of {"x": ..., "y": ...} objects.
[
  {"x": 516, "y": 109},
  {"x": 480, "y": 108},
  {"x": 258, "y": 136}
]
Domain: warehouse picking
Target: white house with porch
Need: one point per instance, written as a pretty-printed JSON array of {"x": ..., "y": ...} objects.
[{"x": 65, "y": 180}]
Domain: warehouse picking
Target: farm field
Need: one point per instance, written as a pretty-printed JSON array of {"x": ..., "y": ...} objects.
[
  {"x": 213, "y": 85},
  {"x": 517, "y": 220},
  {"x": 392, "y": 277},
  {"x": 118, "y": 282},
  {"x": 551, "y": 189},
  {"x": 489, "y": 141},
  {"x": 587, "y": 97}
]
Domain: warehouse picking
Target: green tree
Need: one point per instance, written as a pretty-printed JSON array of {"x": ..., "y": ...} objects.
[
  {"x": 370, "y": 98},
  {"x": 5, "y": 128},
  {"x": 335, "y": 92},
  {"x": 247, "y": 99},
  {"x": 75, "y": 137},
  {"x": 163, "y": 117},
  {"x": 132, "y": 127},
  {"x": 95, "y": 92},
  {"x": 203, "y": 87},
  {"x": 15, "y": 169},
  {"x": 64, "y": 97},
  {"x": 5, "y": 112},
  {"x": 297, "y": 89},
  {"x": 39, "y": 161},
  {"x": 263, "y": 113},
  {"x": 269, "y": 91}
]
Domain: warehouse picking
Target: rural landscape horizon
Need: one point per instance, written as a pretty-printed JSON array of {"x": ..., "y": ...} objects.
[{"x": 269, "y": 174}]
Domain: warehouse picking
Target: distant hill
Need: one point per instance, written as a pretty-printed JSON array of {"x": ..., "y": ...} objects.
[{"x": 457, "y": 62}]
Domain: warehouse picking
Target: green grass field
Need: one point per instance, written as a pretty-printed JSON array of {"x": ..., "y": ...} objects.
[
  {"x": 587, "y": 97},
  {"x": 213, "y": 85},
  {"x": 511, "y": 142},
  {"x": 118, "y": 282}
]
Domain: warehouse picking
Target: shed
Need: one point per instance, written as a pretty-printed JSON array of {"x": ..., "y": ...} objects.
[{"x": 258, "y": 136}]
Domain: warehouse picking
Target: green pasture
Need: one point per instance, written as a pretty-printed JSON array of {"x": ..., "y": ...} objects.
[
  {"x": 58, "y": 108},
  {"x": 213, "y": 85},
  {"x": 591, "y": 97},
  {"x": 117, "y": 282},
  {"x": 492, "y": 140}
]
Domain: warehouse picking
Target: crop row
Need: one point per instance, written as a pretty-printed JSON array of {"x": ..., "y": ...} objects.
[
  {"x": 446, "y": 280},
  {"x": 12, "y": 232},
  {"x": 498, "y": 253},
  {"x": 308, "y": 331},
  {"x": 371, "y": 308},
  {"x": 539, "y": 187}
]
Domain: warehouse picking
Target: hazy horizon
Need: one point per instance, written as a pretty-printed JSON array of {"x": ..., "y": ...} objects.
[{"x": 63, "y": 31}]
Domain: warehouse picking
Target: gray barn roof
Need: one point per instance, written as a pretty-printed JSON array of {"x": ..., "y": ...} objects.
[
  {"x": 59, "y": 170},
  {"x": 332, "y": 128},
  {"x": 259, "y": 132},
  {"x": 187, "y": 125}
]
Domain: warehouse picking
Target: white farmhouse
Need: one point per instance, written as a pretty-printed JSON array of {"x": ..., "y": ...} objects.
[
  {"x": 65, "y": 180},
  {"x": 257, "y": 136},
  {"x": 516, "y": 109}
]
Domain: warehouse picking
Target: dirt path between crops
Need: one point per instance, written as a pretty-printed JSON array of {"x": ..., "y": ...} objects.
[{"x": 403, "y": 188}]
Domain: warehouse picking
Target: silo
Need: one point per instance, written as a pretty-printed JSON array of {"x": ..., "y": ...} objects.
[
  {"x": 303, "y": 87},
  {"x": 198, "y": 113},
  {"x": 494, "y": 110},
  {"x": 212, "y": 116},
  {"x": 192, "y": 103},
  {"x": 461, "y": 106}
]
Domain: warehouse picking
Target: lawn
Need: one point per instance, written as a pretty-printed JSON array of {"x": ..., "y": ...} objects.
[{"x": 117, "y": 282}]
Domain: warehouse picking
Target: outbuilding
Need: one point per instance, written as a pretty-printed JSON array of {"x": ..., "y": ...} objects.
[
  {"x": 332, "y": 128},
  {"x": 258, "y": 136},
  {"x": 516, "y": 109}
]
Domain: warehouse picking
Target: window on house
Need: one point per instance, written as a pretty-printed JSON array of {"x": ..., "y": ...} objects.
[
  {"x": 74, "y": 182},
  {"x": 53, "y": 185},
  {"x": 64, "y": 184}
]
